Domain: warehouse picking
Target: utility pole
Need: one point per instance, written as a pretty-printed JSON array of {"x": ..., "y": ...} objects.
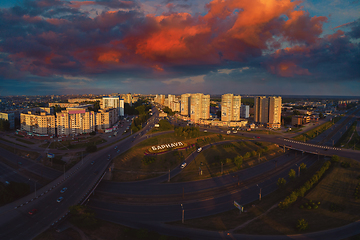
[
  {"x": 259, "y": 192},
  {"x": 298, "y": 170},
  {"x": 183, "y": 213}
]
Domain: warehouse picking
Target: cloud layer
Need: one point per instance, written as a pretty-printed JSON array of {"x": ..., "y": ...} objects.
[{"x": 48, "y": 38}]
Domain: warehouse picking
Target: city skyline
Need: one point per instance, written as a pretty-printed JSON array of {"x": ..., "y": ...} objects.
[{"x": 176, "y": 46}]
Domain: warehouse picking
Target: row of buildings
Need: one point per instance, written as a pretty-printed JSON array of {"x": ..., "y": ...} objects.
[
  {"x": 195, "y": 107},
  {"x": 73, "y": 120}
]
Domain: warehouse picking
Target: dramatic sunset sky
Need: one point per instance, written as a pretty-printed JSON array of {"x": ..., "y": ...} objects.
[{"x": 266, "y": 47}]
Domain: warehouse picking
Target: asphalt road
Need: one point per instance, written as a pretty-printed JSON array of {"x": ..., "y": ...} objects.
[{"x": 15, "y": 223}]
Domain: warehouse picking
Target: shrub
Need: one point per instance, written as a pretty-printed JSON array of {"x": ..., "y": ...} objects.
[
  {"x": 301, "y": 207},
  {"x": 148, "y": 160},
  {"x": 302, "y": 166},
  {"x": 281, "y": 182},
  {"x": 292, "y": 173},
  {"x": 247, "y": 155},
  {"x": 345, "y": 164},
  {"x": 335, "y": 158},
  {"x": 309, "y": 207},
  {"x": 316, "y": 207},
  {"x": 238, "y": 161},
  {"x": 302, "y": 224}
]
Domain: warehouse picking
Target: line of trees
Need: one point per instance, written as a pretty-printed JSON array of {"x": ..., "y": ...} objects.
[
  {"x": 300, "y": 192},
  {"x": 191, "y": 132}
]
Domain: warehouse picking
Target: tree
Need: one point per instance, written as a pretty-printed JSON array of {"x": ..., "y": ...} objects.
[
  {"x": 292, "y": 173},
  {"x": 238, "y": 161},
  {"x": 281, "y": 182},
  {"x": 302, "y": 224},
  {"x": 302, "y": 167}
]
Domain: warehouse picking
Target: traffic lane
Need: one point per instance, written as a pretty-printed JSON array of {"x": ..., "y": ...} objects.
[
  {"x": 10, "y": 174},
  {"x": 194, "y": 209},
  {"x": 29, "y": 165},
  {"x": 54, "y": 209},
  {"x": 139, "y": 188}
]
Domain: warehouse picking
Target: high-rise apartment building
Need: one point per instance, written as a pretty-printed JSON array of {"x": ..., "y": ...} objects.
[
  {"x": 199, "y": 107},
  {"x": 38, "y": 123},
  {"x": 244, "y": 111},
  {"x": 106, "y": 118},
  {"x": 185, "y": 104},
  {"x": 74, "y": 121},
  {"x": 128, "y": 98},
  {"x": 114, "y": 102},
  {"x": 230, "y": 107},
  {"x": 268, "y": 111}
]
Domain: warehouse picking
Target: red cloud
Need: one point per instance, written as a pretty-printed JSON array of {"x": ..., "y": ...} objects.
[{"x": 232, "y": 30}]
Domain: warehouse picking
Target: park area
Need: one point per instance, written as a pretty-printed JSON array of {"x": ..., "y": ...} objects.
[
  {"x": 330, "y": 203},
  {"x": 135, "y": 165}
]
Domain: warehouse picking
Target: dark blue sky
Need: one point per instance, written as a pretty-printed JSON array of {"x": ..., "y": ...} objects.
[{"x": 176, "y": 46}]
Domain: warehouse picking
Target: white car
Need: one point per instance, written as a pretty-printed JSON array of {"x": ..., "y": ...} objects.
[
  {"x": 199, "y": 149},
  {"x": 183, "y": 165}
]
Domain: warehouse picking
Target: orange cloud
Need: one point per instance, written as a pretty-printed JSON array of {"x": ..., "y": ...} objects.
[
  {"x": 109, "y": 57},
  {"x": 288, "y": 69}
]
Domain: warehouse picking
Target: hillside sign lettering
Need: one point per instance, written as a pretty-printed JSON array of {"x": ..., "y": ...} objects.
[{"x": 167, "y": 146}]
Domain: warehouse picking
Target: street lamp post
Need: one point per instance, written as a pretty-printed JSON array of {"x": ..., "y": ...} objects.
[
  {"x": 298, "y": 170},
  {"x": 259, "y": 192},
  {"x": 183, "y": 213}
]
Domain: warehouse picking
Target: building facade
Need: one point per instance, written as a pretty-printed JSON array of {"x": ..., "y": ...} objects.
[
  {"x": 10, "y": 117},
  {"x": 114, "y": 102},
  {"x": 74, "y": 121},
  {"x": 244, "y": 111},
  {"x": 38, "y": 123},
  {"x": 199, "y": 107},
  {"x": 268, "y": 111},
  {"x": 230, "y": 107},
  {"x": 106, "y": 118},
  {"x": 185, "y": 104}
]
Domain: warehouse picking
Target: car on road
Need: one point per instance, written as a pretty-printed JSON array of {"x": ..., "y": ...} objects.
[
  {"x": 63, "y": 190},
  {"x": 199, "y": 149},
  {"x": 7, "y": 182},
  {"x": 33, "y": 211},
  {"x": 116, "y": 147},
  {"x": 183, "y": 165},
  {"x": 92, "y": 163},
  {"x": 60, "y": 199},
  {"x": 20, "y": 163},
  {"x": 234, "y": 131},
  {"x": 205, "y": 131},
  {"x": 257, "y": 137}
]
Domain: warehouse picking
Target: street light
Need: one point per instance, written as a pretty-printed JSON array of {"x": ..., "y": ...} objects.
[
  {"x": 182, "y": 210},
  {"x": 298, "y": 169},
  {"x": 259, "y": 192}
]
